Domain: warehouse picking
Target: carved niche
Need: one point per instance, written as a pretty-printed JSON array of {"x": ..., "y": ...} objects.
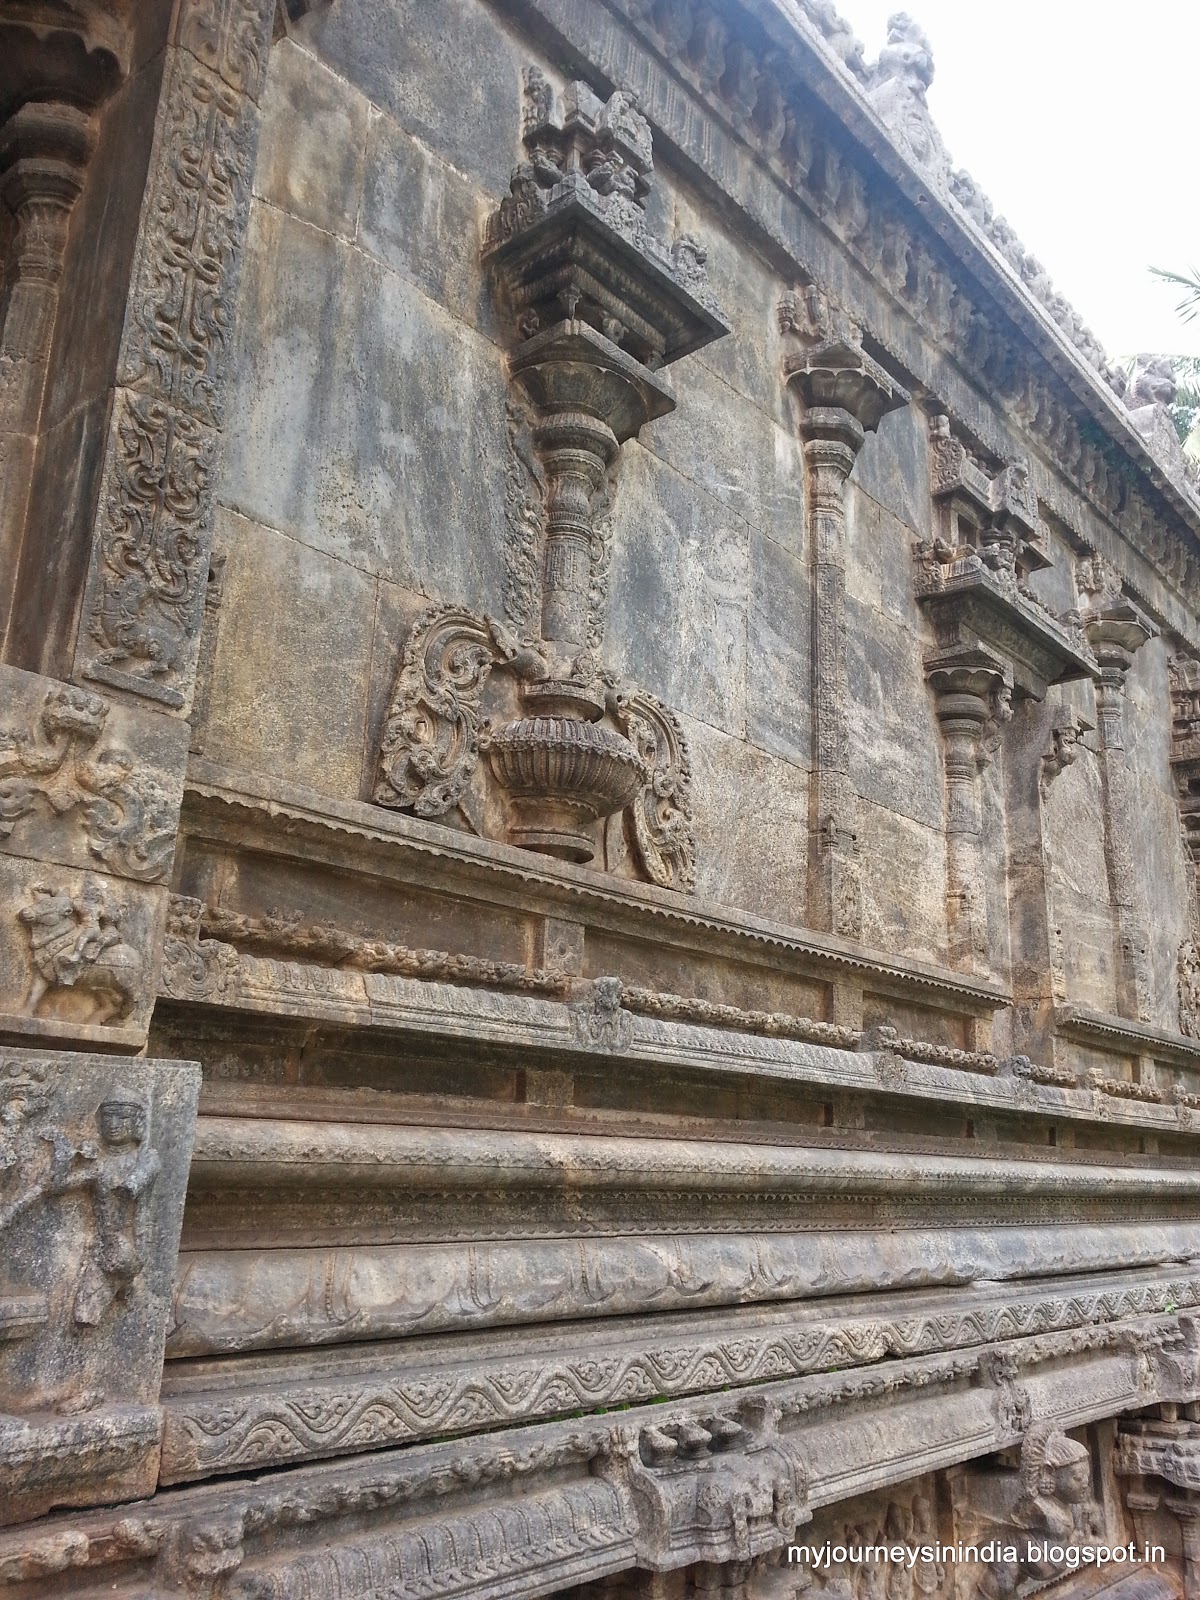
[
  {"x": 599, "y": 307},
  {"x": 94, "y": 1153},
  {"x": 995, "y": 642}
]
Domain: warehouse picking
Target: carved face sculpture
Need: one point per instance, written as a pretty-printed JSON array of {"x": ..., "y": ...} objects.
[
  {"x": 19, "y": 1102},
  {"x": 1073, "y": 1482},
  {"x": 121, "y": 1122}
]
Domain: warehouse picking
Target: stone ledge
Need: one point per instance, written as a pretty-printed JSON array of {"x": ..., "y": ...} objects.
[
  {"x": 1142, "y": 1038},
  {"x": 531, "y": 1508},
  {"x": 596, "y": 1025},
  {"x": 227, "y": 1416},
  {"x": 230, "y": 805}
]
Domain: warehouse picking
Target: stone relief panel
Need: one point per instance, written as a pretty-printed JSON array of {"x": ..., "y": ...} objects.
[
  {"x": 145, "y": 594},
  {"x": 72, "y": 789},
  {"x": 79, "y": 952},
  {"x": 94, "y": 1154}
]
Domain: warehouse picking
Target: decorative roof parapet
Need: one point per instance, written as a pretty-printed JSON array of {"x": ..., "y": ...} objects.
[
  {"x": 896, "y": 87},
  {"x": 772, "y": 71}
]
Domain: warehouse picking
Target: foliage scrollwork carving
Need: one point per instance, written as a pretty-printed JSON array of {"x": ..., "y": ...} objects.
[
  {"x": 661, "y": 816},
  {"x": 435, "y": 731},
  {"x": 430, "y": 745}
]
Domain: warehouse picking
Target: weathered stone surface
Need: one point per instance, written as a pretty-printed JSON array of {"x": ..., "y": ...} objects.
[
  {"x": 322, "y": 607},
  {"x": 681, "y": 866},
  {"x": 408, "y": 509},
  {"x": 95, "y": 1156},
  {"x": 312, "y": 149},
  {"x": 80, "y": 953}
]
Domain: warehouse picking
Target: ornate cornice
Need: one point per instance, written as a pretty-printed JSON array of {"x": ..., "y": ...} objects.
[
  {"x": 403, "y": 1392},
  {"x": 899, "y": 242}
]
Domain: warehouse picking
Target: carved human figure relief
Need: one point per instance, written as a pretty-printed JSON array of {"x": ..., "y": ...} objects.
[{"x": 76, "y": 943}]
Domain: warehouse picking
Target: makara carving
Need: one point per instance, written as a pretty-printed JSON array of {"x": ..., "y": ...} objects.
[{"x": 600, "y": 306}]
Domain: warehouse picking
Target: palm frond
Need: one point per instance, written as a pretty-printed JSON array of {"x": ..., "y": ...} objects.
[{"x": 1189, "y": 306}]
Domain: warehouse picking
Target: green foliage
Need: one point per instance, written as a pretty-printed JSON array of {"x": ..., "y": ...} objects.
[
  {"x": 1185, "y": 413},
  {"x": 1189, "y": 306}
]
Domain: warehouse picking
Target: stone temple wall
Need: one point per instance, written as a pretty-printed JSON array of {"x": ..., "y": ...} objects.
[{"x": 599, "y": 720}]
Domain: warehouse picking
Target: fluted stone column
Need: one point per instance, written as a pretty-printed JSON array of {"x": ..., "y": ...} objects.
[{"x": 843, "y": 395}]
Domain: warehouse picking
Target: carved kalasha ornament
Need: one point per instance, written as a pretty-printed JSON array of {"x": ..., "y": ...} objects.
[
  {"x": 843, "y": 394},
  {"x": 60, "y": 767},
  {"x": 1116, "y": 630},
  {"x": 600, "y": 306}
]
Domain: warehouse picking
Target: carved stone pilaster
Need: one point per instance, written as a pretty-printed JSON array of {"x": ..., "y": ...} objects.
[
  {"x": 599, "y": 306},
  {"x": 972, "y": 689},
  {"x": 843, "y": 395},
  {"x": 973, "y": 582},
  {"x": 1116, "y": 630},
  {"x": 1184, "y": 673},
  {"x": 152, "y": 537},
  {"x": 45, "y": 146},
  {"x": 94, "y": 1155}
]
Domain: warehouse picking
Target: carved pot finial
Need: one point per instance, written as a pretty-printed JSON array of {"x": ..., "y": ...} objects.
[{"x": 563, "y": 775}]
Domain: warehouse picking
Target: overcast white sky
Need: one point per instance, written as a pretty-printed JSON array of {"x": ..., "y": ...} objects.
[{"x": 1081, "y": 120}]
